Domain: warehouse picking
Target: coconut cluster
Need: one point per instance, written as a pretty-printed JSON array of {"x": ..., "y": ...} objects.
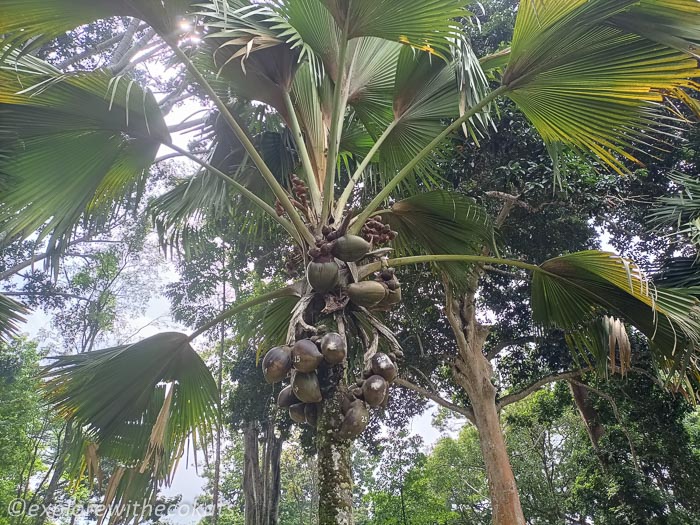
[{"x": 300, "y": 362}]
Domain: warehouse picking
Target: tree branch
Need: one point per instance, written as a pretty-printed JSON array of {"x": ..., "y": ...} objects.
[
  {"x": 552, "y": 378},
  {"x": 464, "y": 411},
  {"x": 493, "y": 352}
]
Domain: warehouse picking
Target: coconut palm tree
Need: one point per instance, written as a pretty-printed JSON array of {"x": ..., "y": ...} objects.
[{"x": 361, "y": 98}]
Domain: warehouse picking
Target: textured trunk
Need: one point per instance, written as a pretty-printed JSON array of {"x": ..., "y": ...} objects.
[
  {"x": 591, "y": 420},
  {"x": 473, "y": 373},
  {"x": 272, "y": 477},
  {"x": 334, "y": 466},
  {"x": 252, "y": 484}
]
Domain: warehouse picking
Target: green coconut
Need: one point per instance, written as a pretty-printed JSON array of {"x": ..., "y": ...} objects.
[
  {"x": 298, "y": 413},
  {"x": 382, "y": 365},
  {"x": 367, "y": 293},
  {"x": 305, "y": 356},
  {"x": 277, "y": 363},
  {"x": 306, "y": 387},
  {"x": 333, "y": 348},
  {"x": 350, "y": 248},
  {"x": 374, "y": 390},
  {"x": 323, "y": 276}
]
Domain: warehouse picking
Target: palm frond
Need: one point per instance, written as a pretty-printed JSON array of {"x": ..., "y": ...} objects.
[
  {"x": 138, "y": 403},
  {"x": 42, "y": 20},
  {"x": 441, "y": 222},
  {"x": 678, "y": 210},
  {"x": 585, "y": 80},
  {"x": 574, "y": 290},
  {"x": 428, "y": 26},
  {"x": 76, "y": 148},
  {"x": 11, "y": 315}
]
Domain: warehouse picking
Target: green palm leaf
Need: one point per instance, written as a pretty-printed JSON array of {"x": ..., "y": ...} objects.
[
  {"x": 572, "y": 291},
  {"x": 586, "y": 80},
  {"x": 429, "y": 25},
  {"x": 139, "y": 403},
  {"x": 11, "y": 314},
  {"x": 76, "y": 147},
  {"x": 440, "y": 222},
  {"x": 43, "y": 20}
]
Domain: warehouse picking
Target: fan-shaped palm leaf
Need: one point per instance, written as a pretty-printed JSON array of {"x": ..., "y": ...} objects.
[
  {"x": 138, "y": 403},
  {"x": 440, "y": 222},
  {"x": 570, "y": 291},
  {"x": 76, "y": 147},
  {"x": 589, "y": 74}
]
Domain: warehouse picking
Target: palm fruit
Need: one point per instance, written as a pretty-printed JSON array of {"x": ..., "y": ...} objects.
[
  {"x": 383, "y": 366},
  {"x": 306, "y": 387},
  {"x": 333, "y": 348},
  {"x": 323, "y": 276},
  {"x": 355, "y": 421},
  {"x": 374, "y": 390},
  {"x": 350, "y": 248},
  {"x": 286, "y": 397},
  {"x": 367, "y": 293},
  {"x": 305, "y": 356},
  {"x": 298, "y": 413},
  {"x": 392, "y": 297},
  {"x": 311, "y": 413},
  {"x": 276, "y": 364}
]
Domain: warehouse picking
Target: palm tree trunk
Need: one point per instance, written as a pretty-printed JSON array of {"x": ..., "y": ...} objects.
[
  {"x": 272, "y": 476},
  {"x": 334, "y": 466},
  {"x": 473, "y": 372},
  {"x": 252, "y": 488}
]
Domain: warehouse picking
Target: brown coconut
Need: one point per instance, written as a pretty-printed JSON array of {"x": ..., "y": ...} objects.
[
  {"x": 305, "y": 356},
  {"x": 305, "y": 386},
  {"x": 374, "y": 390},
  {"x": 277, "y": 363}
]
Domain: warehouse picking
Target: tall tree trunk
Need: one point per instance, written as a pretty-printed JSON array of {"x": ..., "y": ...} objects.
[
  {"x": 473, "y": 372},
  {"x": 272, "y": 476},
  {"x": 252, "y": 486},
  {"x": 334, "y": 465}
]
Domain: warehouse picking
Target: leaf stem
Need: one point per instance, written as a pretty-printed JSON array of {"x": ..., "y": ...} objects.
[
  {"x": 303, "y": 154},
  {"x": 337, "y": 118},
  {"x": 343, "y": 200},
  {"x": 401, "y": 175},
  {"x": 277, "y": 189},
  {"x": 287, "y": 291},
  {"x": 421, "y": 259},
  {"x": 242, "y": 189}
]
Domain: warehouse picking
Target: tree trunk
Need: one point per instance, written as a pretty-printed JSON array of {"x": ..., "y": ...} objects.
[
  {"x": 252, "y": 486},
  {"x": 591, "y": 420},
  {"x": 334, "y": 466},
  {"x": 272, "y": 476},
  {"x": 473, "y": 372}
]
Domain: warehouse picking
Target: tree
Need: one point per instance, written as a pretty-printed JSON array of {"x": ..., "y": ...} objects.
[{"x": 361, "y": 92}]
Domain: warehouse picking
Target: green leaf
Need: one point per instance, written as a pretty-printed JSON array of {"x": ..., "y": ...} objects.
[
  {"x": 11, "y": 314},
  {"x": 43, "y": 20},
  {"x": 76, "y": 148},
  {"x": 440, "y": 222},
  {"x": 139, "y": 403},
  {"x": 574, "y": 290},
  {"x": 429, "y": 25},
  {"x": 585, "y": 80}
]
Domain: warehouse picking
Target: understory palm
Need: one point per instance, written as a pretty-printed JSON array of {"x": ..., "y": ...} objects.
[{"x": 356, "y": 97}]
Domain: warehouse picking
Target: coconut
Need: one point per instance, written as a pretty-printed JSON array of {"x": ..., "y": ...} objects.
[
  {"x": 306, "y": 387},
  {"x": 355, "y": 421},
  {"x": 333, "y": 348},
  {"x": 323, "y": 276},
  {"x": 311, "y": 413},
  {"x": 276, "y": 364},
  {"x": 350, "y": 248},
  {"x": 305, "y": 356},
  {"x": 298, "y": 413},
  {"x": 367, "y": 293},
  {"x": 286, "y": 397},
  {"x": 374, "y": 390},
  {"x": 383, "y": 366}
]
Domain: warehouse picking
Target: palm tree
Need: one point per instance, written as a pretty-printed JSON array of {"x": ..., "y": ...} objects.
[{"x": 358, "y": 95}]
